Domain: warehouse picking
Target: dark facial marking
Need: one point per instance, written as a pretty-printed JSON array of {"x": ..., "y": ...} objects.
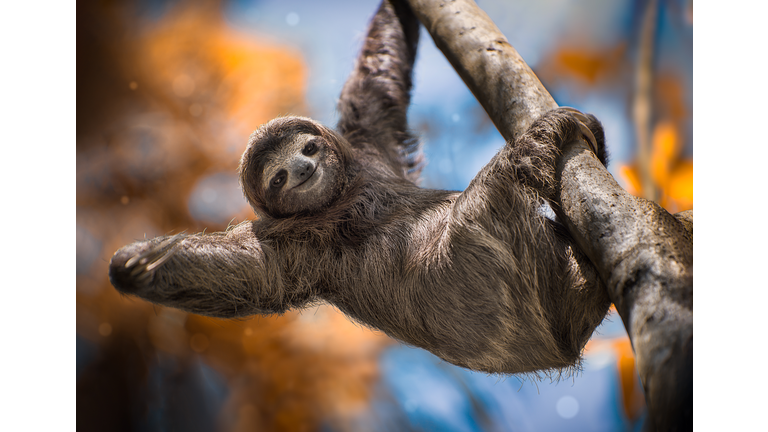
[
  {"x": 278, "y": 180},
  {"x": 309, "y": 149}
]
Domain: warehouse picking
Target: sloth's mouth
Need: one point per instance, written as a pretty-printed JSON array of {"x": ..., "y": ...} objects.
[{"x": 307, "y": 180}]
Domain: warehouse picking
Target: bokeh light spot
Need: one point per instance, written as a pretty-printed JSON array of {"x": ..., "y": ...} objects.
[
  {"x": 292, "y": 19},
  {"x": 105, "y": 329},
  {"x": 567, "y": 407},
  {"x": 183, "y": 86}
]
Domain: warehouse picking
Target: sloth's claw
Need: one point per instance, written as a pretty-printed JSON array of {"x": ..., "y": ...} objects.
[
  {"x": 133, "y": 266},
  {"x": 582, "y": 121},
  {"x": 589, "y": 136},
  {"x": 155, "y": 256}
]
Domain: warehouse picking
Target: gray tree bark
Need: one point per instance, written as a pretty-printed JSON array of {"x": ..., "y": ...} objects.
[{"x": 643, "y": 254}]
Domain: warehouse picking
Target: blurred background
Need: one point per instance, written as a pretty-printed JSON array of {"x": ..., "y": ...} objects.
[{"x": 168, "y": 92}]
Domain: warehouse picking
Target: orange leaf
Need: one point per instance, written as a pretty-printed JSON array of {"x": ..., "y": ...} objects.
[
  {"x": 631, "y": 179},
  {"x": 632, "y": 394},
  {"x": 680, "y": 186},
  {"x": 666, "y": 147}
]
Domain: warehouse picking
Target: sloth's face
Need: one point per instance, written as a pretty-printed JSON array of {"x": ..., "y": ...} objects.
[
  {"x": 303, "y": 175},
  {"x": 292, "y": 171}
]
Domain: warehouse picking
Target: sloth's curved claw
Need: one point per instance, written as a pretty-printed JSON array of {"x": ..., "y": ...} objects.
[
  {"x": 132, "y": 267},
  {"x": 582, "y": 121},
  {"x": 155, "y": 256}
]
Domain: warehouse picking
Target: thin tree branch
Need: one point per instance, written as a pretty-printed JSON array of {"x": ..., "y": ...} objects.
[{"x": 643, "y": 98}]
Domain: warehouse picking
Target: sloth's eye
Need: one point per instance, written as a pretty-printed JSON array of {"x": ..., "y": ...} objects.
[
  {"x": 309, "y": 149},
  {"x": 278, "y": 180}
]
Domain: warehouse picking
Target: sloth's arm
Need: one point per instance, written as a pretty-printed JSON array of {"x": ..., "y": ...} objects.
[
  {"x": 227, "y": 274},
  {"x": 375, "y": 98}
]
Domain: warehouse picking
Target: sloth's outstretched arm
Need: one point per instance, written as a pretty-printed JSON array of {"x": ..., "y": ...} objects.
[
  {"x": 228, "y": 274},
  {"x": 376, "y": 95}
]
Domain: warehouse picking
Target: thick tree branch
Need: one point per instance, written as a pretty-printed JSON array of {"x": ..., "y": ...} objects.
[
  {"x": 643, "y": 254},
  {"x": 506, "y": 87}
]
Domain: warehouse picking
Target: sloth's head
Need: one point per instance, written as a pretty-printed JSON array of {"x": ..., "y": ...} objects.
[{"x": 293, "y": 165}]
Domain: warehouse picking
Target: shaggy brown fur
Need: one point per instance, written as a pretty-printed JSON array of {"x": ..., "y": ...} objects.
[{"x": 479, "y": 278}]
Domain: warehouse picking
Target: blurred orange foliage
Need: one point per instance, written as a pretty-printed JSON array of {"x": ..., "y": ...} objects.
[
  {"x": 589, "y": 67},
  {"x": 631, "y": 391},
  {"x": 184, "y": 93},
  {"x": 672, "y": 173},
  {"x": 202, "y": 66},
  {"x": 632, "y": 396},
  {"x": 584, "y": 64}
]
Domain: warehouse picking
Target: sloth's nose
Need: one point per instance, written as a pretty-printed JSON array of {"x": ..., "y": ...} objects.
[{"x": 306, "y": 169}]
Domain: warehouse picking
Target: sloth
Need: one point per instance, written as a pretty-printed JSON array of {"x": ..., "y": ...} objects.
[{"x": 481, "y": 278}]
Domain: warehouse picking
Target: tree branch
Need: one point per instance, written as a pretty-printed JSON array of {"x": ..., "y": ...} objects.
[
  {"x": 642, "y": 104},
  {"x": 643, "y": 254},
  {"x": 502, "y": 82}
]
